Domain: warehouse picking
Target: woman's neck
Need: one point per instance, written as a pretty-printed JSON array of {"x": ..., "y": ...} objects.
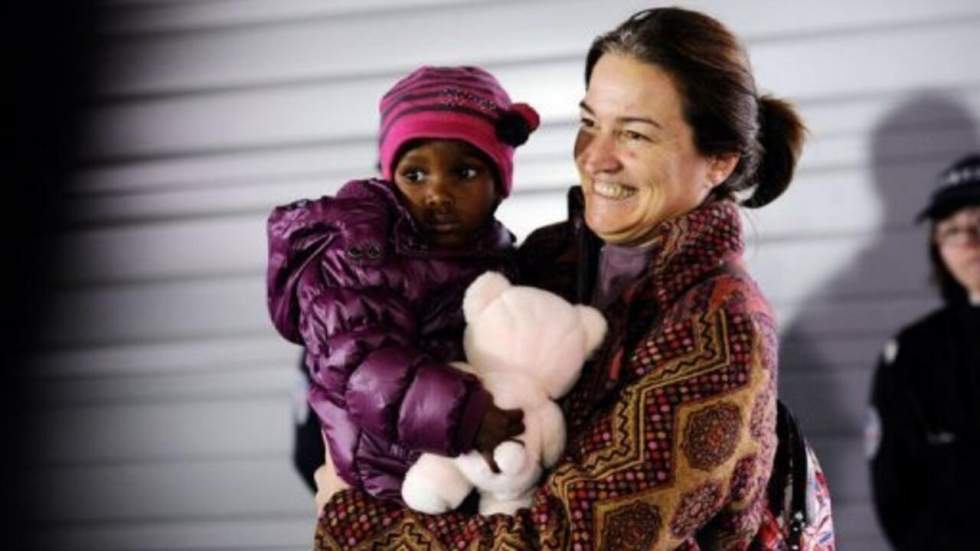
[{"x": 619, "y": 265}]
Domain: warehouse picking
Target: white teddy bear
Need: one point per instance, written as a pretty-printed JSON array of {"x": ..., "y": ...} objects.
[{"x": 527, "y": 346}]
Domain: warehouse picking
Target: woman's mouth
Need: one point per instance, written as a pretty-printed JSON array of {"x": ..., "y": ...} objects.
[{"x": 608, "y": 190}]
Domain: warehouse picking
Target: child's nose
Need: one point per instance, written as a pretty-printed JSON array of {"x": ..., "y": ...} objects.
[{"x": 439, "y": 195}]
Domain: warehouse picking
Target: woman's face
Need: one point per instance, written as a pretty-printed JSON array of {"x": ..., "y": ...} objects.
[
  {"x": 958, "y": 239},
  {"x": 635, "y": 153}
]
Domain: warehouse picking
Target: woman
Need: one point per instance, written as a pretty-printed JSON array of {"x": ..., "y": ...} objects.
[
  {"x": 925, "y": 417},
  {"x": 672, "y": 426}
]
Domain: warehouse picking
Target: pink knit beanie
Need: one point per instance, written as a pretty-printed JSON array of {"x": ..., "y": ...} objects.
[{"x": 462, "y": 103}]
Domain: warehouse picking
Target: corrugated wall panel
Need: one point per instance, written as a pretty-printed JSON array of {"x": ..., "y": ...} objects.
[{"x": 824, "y": 66}]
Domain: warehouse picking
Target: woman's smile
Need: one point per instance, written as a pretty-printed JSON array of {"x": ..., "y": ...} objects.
[{"x": 613, "y": 191}]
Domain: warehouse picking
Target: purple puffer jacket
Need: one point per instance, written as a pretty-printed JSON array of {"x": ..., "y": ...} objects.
[{"x": 380, "y": 315}]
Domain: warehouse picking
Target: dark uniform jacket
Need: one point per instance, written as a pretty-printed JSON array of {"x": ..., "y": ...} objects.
[{"x": 925, "y": 422}]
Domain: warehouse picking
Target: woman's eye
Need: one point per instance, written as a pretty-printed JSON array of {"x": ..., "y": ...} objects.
[
  {"x": 634, "y": 136},
  {"x": 586, "y": 122}
]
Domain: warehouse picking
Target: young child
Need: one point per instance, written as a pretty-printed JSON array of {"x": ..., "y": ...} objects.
[{"x": 371, "y": 281}]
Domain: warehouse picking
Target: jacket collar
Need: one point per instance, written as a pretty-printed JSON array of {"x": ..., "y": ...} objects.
[{"x": 692, "y": 246}]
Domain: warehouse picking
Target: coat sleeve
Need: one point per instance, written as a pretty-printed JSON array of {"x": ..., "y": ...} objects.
[
  {"x": 691, "y": 434},
  {"x": 297, "y": 233},
  {"x": 363, "y": 339},
  {"x": 895, "y": 448}
]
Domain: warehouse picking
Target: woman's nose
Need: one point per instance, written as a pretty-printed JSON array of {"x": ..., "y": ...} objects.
[{"x": 598, "y": 153}]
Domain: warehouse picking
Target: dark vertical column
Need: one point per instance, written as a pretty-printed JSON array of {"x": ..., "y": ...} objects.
[{"x": 51, "y": 44}]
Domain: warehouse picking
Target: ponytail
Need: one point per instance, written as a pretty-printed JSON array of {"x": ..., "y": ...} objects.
[{"x": 781, "y": 135}]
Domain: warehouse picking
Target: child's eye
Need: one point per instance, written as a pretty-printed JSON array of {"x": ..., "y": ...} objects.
[
  {"x": 413, "y": 175},
  {"x": 467, "y": 172}
]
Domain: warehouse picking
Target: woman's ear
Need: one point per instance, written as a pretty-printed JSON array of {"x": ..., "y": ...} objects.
[{"x": 720, "y": 167}]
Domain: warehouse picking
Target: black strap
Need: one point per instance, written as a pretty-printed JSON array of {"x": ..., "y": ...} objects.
[{"x": 790, "y": 461}]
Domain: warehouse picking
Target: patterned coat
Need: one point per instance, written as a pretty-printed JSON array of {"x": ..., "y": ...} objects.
[{"x": 671, "y": 427}]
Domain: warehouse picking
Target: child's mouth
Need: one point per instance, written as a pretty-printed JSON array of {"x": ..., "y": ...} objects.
[
  {"x": 444, "y": 227},
  {"x": 441, "y": 223}
]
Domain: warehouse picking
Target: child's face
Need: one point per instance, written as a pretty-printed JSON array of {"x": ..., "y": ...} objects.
[{"x": 449, "y": 188}]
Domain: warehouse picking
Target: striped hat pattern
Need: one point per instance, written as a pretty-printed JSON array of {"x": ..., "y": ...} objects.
[{"x": 461, "y": 103}]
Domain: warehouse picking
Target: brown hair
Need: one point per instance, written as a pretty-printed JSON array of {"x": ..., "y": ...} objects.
[
  {"x": 951, "y": 291},
  {"x": 712, "y": 73}
]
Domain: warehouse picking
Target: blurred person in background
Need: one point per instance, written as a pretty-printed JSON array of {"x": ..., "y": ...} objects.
[{"x": 923, "y": 428}]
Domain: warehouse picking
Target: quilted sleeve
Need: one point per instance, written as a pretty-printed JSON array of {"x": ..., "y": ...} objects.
[
  {"x": 297, "y": 233},
  {"x": 362, "y": 333}
]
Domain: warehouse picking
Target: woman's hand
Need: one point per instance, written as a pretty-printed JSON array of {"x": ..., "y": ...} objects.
[
  {"x": 327, "y": 481},
  {"x": 498, "y": 425}
]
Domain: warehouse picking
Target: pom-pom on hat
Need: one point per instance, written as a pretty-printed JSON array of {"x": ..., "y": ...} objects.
[
  {"x": 461, "y": 103},
  {"x": 959, "y": 187}
]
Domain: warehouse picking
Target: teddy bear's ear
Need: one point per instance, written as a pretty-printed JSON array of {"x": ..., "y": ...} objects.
[
  {"x": 594, "y": 324},
  {"x": 484, "y": 290}
]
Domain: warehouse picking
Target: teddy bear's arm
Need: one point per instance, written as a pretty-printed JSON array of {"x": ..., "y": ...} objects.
[{"x": 434, "y": 485}]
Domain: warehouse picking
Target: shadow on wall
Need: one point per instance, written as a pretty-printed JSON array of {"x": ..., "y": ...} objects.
[{"x": 829, "y": 351}]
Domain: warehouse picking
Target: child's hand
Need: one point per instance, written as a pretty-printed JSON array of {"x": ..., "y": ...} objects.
[{"x": 497, "y": 426}]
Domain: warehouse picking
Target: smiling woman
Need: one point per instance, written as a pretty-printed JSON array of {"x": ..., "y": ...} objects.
[
  {"x": 672, "y": 426},
  {"x": 635, "y": 153}
]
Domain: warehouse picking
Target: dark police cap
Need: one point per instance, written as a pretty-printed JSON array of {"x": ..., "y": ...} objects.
[{"x": 959, "y": 187}]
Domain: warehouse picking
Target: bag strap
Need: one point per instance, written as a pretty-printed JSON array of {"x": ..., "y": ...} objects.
[{"x": 792, "y": 447}]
